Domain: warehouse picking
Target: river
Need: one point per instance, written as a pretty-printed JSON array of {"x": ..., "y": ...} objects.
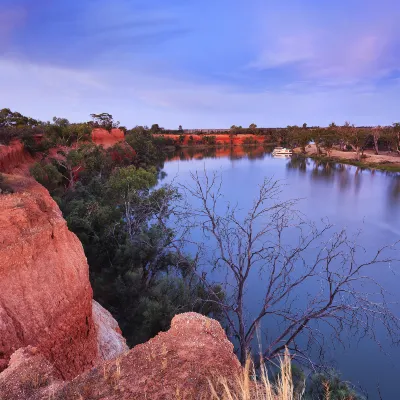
[{"x": 349, "y": 197}]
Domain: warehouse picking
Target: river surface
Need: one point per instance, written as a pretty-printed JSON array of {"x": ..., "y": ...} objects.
[{"x": 349, "y": 197}]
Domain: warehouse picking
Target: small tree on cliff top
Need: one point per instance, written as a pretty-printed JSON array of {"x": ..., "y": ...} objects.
[
  {"x": 310, "y": 276},
  {"x": 105, "y": 121}
]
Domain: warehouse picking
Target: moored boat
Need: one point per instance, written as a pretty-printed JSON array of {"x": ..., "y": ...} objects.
[{"x": 282, "y": 151}]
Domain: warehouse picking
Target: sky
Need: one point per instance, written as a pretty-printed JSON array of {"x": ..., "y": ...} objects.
[{"x": 202, "y": 63}]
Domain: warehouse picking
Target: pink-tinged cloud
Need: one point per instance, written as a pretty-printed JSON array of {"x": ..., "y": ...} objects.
[{"x": 328, "y": 51}]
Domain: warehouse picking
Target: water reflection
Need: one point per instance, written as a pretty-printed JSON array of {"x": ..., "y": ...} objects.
[
  {"x": 298, "y": 163},
  {"x": 343, "y": 177},
  {"x": 250, "y": 152}
]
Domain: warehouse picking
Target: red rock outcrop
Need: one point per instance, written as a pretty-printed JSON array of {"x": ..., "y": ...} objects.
[
  {"x": 45, "y": 294},
  {"x": 107, "y": 139},
  {"x": 178, "y": 364}
]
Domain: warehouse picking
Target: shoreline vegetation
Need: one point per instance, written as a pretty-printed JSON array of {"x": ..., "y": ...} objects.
[{"x": 385, "y": 161}]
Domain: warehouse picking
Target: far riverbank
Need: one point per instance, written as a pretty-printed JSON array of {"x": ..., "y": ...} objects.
[{"x": 384, "y": 161}]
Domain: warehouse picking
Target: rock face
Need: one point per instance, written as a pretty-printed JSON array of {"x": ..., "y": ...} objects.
[
  {"x": 45, "y": 294},
  {"x": 28, "y": 376},
  {"x": 178, "y": 364},
  {"x": 107, "y": 139},
  {"x": 13, "y": 158}
]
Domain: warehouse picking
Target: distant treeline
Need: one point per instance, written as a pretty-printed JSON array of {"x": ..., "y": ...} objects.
[{"x": 14, "y": 125}]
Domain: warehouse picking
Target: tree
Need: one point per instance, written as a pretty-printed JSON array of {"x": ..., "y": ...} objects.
[
  {"x": 329, "y": 140},
  {"x": 357, "y": 139},
  {"x": 180, "y": 129},
  {"x": 317, "y": 136},
  {"x": 47, "y": 175},
  {"x": 299, "y": 136},
  {"x": 16, "y": 119},
  {"x": 392, "y": 137},
  {"x": 148, "y": 153},
  {"x": 376, "y": 134},
  {"x": 253, "y": 128},
  {"x": 104, "y": 121},
  {"x": 290, "y": 256},
  {"x": 155, "y": 129},
  {"x": 69, "y": 165}
]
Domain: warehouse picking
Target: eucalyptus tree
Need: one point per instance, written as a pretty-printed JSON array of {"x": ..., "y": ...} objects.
[
  {"x": 376, "y": 135},
  {"x": 104, "y": 120}
]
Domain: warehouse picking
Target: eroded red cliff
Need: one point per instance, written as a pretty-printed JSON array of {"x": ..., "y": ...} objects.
[
  {"x": 107, "y": 139},
  {"x": 14, "y": 158},
  {"x": 178, "y": 364},
  {"x": 45, "y": 294}
]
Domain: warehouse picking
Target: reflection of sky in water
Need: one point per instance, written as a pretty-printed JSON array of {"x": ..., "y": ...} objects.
[{"x": 348, "y": 196}]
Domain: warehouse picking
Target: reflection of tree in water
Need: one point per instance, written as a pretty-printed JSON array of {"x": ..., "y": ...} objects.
[
  {"x": 324, "y": 170},
  {"x": 234, "y": 155},
  {"x": 254, "y": 153},
  {"x": 344, "y": 176},
  {"x": 358, "y": 179},
  {"x": 328, "y": 171},
  {"x": 191, "y": 152},
  {"x": 298, "y": 162},
  {"x": 394, "y": 190}
]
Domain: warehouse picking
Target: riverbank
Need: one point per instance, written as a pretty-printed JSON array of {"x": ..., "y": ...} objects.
[{"x": 384, "y": 161}]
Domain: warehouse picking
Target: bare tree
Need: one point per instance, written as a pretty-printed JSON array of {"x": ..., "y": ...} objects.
[{"x": 297, "y": 262}]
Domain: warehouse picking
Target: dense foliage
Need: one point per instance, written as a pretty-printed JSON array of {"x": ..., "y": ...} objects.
[{"x": 109, "y": 200}]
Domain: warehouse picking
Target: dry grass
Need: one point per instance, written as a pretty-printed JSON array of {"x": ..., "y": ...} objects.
[{"x": 245, "y": 388}]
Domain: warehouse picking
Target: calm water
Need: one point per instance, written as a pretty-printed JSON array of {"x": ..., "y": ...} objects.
[{"x": 349, "y": 197}]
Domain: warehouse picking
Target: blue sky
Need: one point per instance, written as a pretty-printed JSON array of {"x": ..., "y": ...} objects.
[{"x": 202, "y": 63}]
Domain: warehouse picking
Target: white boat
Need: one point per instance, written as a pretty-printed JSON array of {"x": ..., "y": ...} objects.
[{"x": 282, "y": 151}]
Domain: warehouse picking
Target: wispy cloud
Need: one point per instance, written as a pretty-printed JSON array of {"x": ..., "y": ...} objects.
[{"x": 336, "y": 54}]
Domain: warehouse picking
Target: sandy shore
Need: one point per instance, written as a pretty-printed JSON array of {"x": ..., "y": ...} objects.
[{"x": 370, "y": 159}]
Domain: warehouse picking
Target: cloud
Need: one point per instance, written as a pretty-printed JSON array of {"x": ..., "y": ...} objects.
[
  {"x": 284, "y": 51},
  {"x": 142, "y": 97},
  {"x": 327, "y": 49}
]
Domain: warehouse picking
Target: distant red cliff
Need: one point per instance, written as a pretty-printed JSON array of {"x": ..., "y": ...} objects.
[{"x": 106, "y": 138}]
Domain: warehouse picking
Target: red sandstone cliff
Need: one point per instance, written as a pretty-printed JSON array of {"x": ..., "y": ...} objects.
[
  {"x": 107, "y": 139},
  {"x": 178, "y": 364},
  {"x": 45, "y": 294}
]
